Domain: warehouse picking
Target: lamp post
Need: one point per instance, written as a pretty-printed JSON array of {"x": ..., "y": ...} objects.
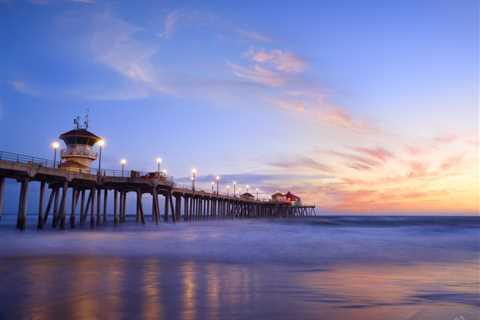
[
  {"x": 234, "y": 187},
  {"x": 256, "y": 190},
  {"x": 159, "y": 163},
  {"x": 164, "y": 171},
  {"x": 228, "y": 190},
  {"x": 55, "y": 146},
  {"x": 194, "y": 176},
  {"x": 213, "y": 183},
  {"x": 100, "y": 144},
  {"x": 247, "y": 186},
  {"x": 123, "y": 162},
  {"x": 217, "y": 179}
]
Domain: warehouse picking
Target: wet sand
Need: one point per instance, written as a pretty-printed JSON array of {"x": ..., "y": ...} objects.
[{"x": 315, "y": 268}]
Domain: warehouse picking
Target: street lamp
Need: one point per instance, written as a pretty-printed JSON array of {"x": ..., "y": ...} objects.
[
  {"x": 194, "y": 176},
  {"x": 213, "y": 183},
  {"x": 159, "y": 162},
  {"x": 247, "y": 186},
  {"x": 234, "y": 186},
  {"x": 256, "y": 190},
  {"x": 228, "y": 190},
  {"x": 100, "y": 144},
  {"x": 217, "y": 179},
  {"x": 55, "y": 146},
  {"x": 123, "y": 162},
  {"x": 164, "y": 171}
]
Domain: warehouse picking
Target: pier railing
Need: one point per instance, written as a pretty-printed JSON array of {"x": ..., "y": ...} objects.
[
  {"x": 42, "y": 162},
  {"x": 25, "y": 159}
]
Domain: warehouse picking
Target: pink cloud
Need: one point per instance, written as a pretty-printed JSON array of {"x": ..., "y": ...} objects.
[
  {"x": 252, "y": 35},
  {"x": 446, "y": 138},
  {"x": 302, "y": 163},
  {"x": 377, "y": 153},
  {"x": 280, "y": 60},
  {"x": 258, "y": 74}
]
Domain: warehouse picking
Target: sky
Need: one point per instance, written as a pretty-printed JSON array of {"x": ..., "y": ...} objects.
[{"x": 356, "y": 106}]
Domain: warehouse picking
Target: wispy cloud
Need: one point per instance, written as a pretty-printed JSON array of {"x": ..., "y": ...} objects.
[
  {"x": 316, "y": 106},
  {"x": 253, "y": 35},
  {"x": 302, "y": 163},
  {"x": 171, "y": 22},
  {"x": 279, "y": 60},
  {"x": 22, "y": 87},
  {"x": 258, "y": 74},
  {"x": 114, "y": 44}
]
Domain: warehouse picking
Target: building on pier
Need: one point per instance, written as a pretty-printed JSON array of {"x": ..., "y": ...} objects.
[
  {"x": 79, "y": 152},
  {"x": 247, "y": 196},
  {"x": 294, "y": 199}
]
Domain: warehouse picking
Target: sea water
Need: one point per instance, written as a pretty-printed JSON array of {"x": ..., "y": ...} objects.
[{"x": 330, "y": 267}]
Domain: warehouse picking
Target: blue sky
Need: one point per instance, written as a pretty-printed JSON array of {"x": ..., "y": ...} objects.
[{"x": 350, "y": 102}]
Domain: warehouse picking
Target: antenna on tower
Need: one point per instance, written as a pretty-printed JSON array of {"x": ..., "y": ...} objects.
[
  {"x": 85, "y": 123},
  {"x": 76, "y": 122}
]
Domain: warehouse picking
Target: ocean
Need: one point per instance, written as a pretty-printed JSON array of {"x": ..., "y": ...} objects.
[{"x": 328, "y": 267}]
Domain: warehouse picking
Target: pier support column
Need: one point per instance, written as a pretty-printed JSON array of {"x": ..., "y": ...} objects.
[
  {"x": 40, "y": 204},
  {"x": 55, "y": 207},
  {"x": 173, "y": 210},
  {"x": 2, "y": 188},
  {"x": 92, "y": 207},
  {"x": 22, "y": 205},
  {"x": 99, "y": 200},
  {"x": 167, "y": 208},
  {"x": 123, "y": 200},
  {"x": 82, "y": 206},
  {"x": 75, "y": 193},
  {"x": 185, "y": 208},
  {"x": 115, "y": 207},
  {"x": 140, "y": 215},
  {"x": 155, "y": 214},
  {"x": 63, "y": 205},
  {"x": 105, "y": 202}
]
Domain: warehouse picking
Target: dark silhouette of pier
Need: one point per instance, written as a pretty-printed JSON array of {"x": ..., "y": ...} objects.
[{"x": 90, "y": 192}]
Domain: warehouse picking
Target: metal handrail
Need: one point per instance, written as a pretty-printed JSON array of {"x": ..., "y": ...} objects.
[{"x": 42, "y": 162}]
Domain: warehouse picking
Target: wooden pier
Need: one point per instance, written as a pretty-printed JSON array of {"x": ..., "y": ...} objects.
[{"x": 90, "y": 192}]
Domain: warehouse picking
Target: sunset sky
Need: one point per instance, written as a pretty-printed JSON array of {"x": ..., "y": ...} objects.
[{"x": 357, "y": 106}]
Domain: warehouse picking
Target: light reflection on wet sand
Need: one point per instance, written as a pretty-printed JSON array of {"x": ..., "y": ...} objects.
[
  {"x": 147, "y": 288},
  {"x": 303, "y": 269}
]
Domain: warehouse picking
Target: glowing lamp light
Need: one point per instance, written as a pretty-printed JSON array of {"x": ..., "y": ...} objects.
[
  {"x": 101, "y": 143},
  {"x": 55, "y": 145},
  {"x": 123, "y": 161},
  {"x": 159, "y": 160}
]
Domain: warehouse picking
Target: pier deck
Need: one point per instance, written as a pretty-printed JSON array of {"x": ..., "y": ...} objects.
[{"x": 90, "y": 192}]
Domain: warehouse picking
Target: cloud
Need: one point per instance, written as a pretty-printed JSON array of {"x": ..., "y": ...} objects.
[
  {"x": 22, "y": 87},
  {"x": 114, "y": 44},
  {"x": 271, "y": 68},
  {"x": 258, "y": 74},
  {"x": 339, "y": 117},
  {"x": 252, "y": 35},
  {"x": 364, "y": 158},
  {"x": 377, "y": 153},
  {"x": 302, "y": 163},
  {"x": 445, "y": 138},
  {"x": 279, "y": 60},
  {"x": 171, "y": 22},
  {"x": 316, "y": 106}
]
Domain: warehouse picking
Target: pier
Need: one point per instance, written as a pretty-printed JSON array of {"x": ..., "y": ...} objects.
[{"x": 90, "y": 190}]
